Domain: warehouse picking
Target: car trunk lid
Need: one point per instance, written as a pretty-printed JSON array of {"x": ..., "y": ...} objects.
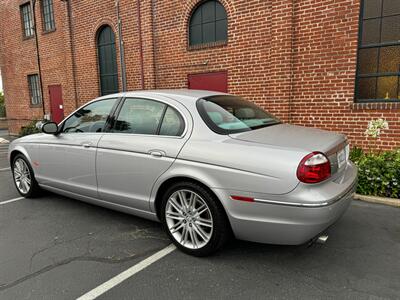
[{"x": 302, "y": 138}]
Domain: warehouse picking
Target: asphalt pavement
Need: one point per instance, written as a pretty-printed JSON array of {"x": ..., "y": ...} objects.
[{"x": 53, "y": 247}]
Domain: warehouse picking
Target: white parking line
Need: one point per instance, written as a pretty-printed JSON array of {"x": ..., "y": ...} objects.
[
  {"x": 12, "y": 200},
  {"x": 5, "y": 169},
  {"x": 101, "y": 289}
]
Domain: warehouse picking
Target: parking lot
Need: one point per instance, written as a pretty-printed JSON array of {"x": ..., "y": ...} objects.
[{"x": 58, "y": 248}]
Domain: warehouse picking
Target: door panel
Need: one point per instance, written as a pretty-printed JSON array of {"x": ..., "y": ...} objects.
[
  {"x": 67, "y": 161},
  {"x": 56, "y": 103},
  {"x": 216, "y": 81},
  {"x": 145, "y": 140},
  {"x": 126, "y": 168}
]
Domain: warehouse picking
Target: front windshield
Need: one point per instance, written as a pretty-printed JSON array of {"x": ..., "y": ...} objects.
[{"x": 227, "y": 114}]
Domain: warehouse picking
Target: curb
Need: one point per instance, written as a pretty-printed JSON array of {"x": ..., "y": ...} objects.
[{"x": 379, "y": 200}]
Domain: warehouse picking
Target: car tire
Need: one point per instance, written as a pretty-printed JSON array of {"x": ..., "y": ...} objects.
[
  {"x": 24, "y": 178},
  {"x": 199, "y": 229}
]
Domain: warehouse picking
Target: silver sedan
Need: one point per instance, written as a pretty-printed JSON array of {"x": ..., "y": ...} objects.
[{"x": 205, "y": 164}]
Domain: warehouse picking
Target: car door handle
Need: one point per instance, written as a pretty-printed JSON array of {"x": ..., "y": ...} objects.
[
  {"x": 157, "y": 153},
  {"x": 86, "y": 145}
]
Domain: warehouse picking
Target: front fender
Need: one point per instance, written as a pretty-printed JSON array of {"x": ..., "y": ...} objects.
[
  {"x": 18, "y": 148},
  {"x": 30, "y": 151}
]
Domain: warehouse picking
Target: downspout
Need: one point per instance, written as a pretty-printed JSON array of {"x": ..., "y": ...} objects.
[
  {"x": 292, "y": 36},
  {"x": 38, "y": 56},
  {"x": 71, "y": 40},
  {"x": 153, "y": 27},
  {"x": 140, "y": 44},
  {"x": 121, "y": 48}
]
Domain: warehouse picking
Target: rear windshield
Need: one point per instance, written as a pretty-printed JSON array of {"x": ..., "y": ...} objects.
[{"x": 227, "y": 114}]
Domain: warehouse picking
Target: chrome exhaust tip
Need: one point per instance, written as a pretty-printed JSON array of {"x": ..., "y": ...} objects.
[{"x": 322, "y": 239}]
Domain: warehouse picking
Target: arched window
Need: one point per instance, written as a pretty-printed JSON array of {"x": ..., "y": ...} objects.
[
  {"x": 208, "y": 24},
  {"x": 108, "y": 68}
]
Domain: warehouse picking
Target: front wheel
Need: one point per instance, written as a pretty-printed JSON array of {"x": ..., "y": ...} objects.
[
  {"x": 193, "y": 219},
  {"x": 24, "y": 178}
]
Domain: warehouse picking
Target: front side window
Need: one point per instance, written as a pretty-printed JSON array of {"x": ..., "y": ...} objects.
[
  {"x": 378, "y": 69},
  {"x": 140, "y": 116},
  {"x": 91, "y": 118},
  {"x": 48, "y": 15},
  {"x": 208, "y": 24},
  {"x": 227, "y": 114},
  {"x": 27, "y": 20},
  {"x": 34, "y": 89}
]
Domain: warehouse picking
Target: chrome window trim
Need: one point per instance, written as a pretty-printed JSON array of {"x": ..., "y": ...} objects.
[{"x": 145, "y": 135}]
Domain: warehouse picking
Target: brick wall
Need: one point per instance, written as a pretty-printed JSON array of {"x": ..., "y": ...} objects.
[
  {"x": 295, "y": 58},
  {"x": 18, "y": 60},
  {"x": 325, "y": 53}
]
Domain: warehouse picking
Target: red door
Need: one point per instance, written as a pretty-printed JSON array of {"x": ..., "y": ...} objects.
[
  {"x": 216, "y": 81},
  {"x": 56, "y": 103}
]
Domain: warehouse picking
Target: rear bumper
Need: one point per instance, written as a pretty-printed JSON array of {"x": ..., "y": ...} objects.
[{"x": 294, "y": 218}]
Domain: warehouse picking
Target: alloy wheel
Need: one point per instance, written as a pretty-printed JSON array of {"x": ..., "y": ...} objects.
[
  {"x": 22, "y": 176},
  {"x": 189, "y": 219}
]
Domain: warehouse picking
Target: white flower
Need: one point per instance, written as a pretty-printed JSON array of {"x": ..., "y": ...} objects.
[{"x": 376, "y": 127}]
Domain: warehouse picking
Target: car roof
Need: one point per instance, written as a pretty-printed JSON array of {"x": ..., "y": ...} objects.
[{"x": 176, "y": 94}]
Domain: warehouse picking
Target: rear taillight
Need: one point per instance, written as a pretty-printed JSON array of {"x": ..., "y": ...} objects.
[{"x": 314, "y": 168}]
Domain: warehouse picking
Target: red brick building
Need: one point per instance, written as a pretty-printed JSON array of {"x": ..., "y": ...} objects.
[{"x": 332, "y": 64}]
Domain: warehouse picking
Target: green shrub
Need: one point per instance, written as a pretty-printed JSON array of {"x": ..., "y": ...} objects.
[
  {"x": 2, "y": 106},
  {"x": 356, "y": 153},
  {"x": 29, "y": 129},
  {"x": 378, "y": 173},
  {"x": 2, "y": 111}
]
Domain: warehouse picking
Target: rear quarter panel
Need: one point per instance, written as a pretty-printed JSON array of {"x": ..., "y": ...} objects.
[{"x": 226, "y": 163}]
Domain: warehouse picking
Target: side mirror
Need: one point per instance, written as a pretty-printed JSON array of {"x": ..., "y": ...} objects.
[{"x": 50, "y": 128}]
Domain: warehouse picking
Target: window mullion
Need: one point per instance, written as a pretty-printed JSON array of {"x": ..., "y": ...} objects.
[
  {"x": 385, "y": 85},
  {"x": 201, "y": 24},
  {"x": 36, "y": 90},
  {"x": 380, "y": 24}
]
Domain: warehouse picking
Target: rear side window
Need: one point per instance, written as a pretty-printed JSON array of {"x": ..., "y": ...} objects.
[
  {"x": 228, "y": 114},
  {"x": 172, "y": 124},
  {"x": 91, "y": 118},
  {"x": 139, "y": 116},
  {"x": 150, "y": 117}
]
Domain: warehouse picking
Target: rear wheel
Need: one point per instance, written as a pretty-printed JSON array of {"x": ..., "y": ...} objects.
[
  {"x": 24, "y": 178},
  {"x": 193, "y": 219}
]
